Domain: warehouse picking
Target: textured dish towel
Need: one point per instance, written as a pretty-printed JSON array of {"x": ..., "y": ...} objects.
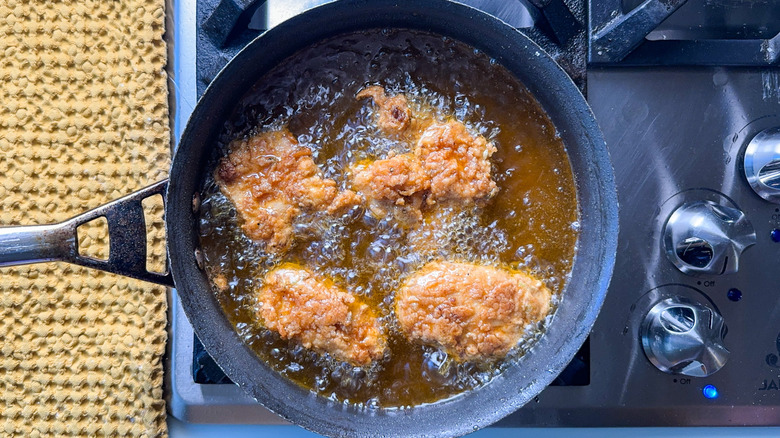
[{"x": 83, "y": 120}]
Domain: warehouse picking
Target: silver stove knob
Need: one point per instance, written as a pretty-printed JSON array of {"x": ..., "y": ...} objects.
[
  {"x": 762, "y": 164},
  {"x": 684, "y": 337},
  {"x": 704, "y": 237}
]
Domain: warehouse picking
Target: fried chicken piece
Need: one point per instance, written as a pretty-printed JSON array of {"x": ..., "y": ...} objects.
[
  {"x": 270, "y": 179},
  {"x": 394, "y": 113},
  {"x": 320, "y": 315},
  {"x": 390, "y": 179},
  {"x": 397, "y": 181},
  {"x": 447, "y": 164},
  {"x": 457, "y": 162},
  {"x": 474, "y": 312},
  {"x": 345, "y": 199}
]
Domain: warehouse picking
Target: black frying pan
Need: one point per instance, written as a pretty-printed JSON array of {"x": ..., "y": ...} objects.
[{"x": 521, "y": 381}]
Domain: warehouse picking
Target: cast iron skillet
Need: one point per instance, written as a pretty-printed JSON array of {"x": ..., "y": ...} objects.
[{"x": 467, "y": 412}]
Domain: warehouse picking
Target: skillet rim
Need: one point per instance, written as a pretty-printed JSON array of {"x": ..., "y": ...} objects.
[{"x": 597, "y": 201}]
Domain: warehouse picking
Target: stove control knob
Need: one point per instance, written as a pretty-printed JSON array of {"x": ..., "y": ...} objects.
[
  {"x": 762, "y": 164},
  {"x": 680, "y": 336},
  {"x": 703, "y": 237}
]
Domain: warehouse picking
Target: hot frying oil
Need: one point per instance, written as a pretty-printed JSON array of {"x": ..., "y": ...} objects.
[{"x": 531, "y": 224}]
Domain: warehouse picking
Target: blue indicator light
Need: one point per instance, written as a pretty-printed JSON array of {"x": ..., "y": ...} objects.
[
  {"x": 734, "y": 294},
  {"x": 710, "y": 392},
  {"x": 775, "y": 235}
]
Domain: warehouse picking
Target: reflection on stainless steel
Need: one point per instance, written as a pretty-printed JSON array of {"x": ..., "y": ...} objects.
[
  {"x": 272, "y": 12},
  {"x": 762, "y": 164},
  {"x": 677, "y": 136},
  {"x": 769, "y": 175},
  {"x": 771, "y": 85},
  {"x": 694, "y": 251},
  {"x": 703, "y": 237},
  {"x": 684, "y": 337},
  {"x": 718, "y": 19}
]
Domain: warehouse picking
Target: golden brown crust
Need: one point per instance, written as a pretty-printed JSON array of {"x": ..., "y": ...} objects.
[
  {"x": 474, "y": 312},
  {"x": 320, "y": 315},
  {"x": 391, "y": 179},
  {"x": 270, "y": 179},
  {"x": 457, "y": 162},
  {"x": 394, "y": 184},
  {"x": 345, "y": 199},
  {"x": 220, "y": 281},
  {"x": 394, "y": 113},
  {"x": 447, "y": 162}
]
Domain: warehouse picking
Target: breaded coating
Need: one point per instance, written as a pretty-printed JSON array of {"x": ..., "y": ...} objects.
[
  {"x": 457, "y": 162},
  {"x": 474, "y": 312},
  {"x": 345, "y": 199},
  {"x": 397, "y": 181},
  {"x": 320, "y": 315},
  {"x": 270, "y": 179},
  {"x": 220, "y": 281},
  {"x": 394, "y": 113},
  {"x": 447, "y": 164},
  {"x": 391, "y": 179}
]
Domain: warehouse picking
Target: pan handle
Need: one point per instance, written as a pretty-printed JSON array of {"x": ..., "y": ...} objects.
[{"x": 59, "y": 242}]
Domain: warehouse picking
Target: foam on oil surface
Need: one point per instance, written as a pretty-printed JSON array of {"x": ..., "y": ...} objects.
[{"x": 528, "y": 225}]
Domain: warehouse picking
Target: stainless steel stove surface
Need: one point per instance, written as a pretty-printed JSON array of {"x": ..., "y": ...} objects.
[{"x": 688, "y": 99}]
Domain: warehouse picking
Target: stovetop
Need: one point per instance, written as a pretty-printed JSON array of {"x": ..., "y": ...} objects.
[{"x": 680, "y": 89}]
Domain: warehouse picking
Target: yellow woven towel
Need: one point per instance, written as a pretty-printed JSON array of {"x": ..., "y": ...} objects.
[{"x": 83, "y": 120}]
